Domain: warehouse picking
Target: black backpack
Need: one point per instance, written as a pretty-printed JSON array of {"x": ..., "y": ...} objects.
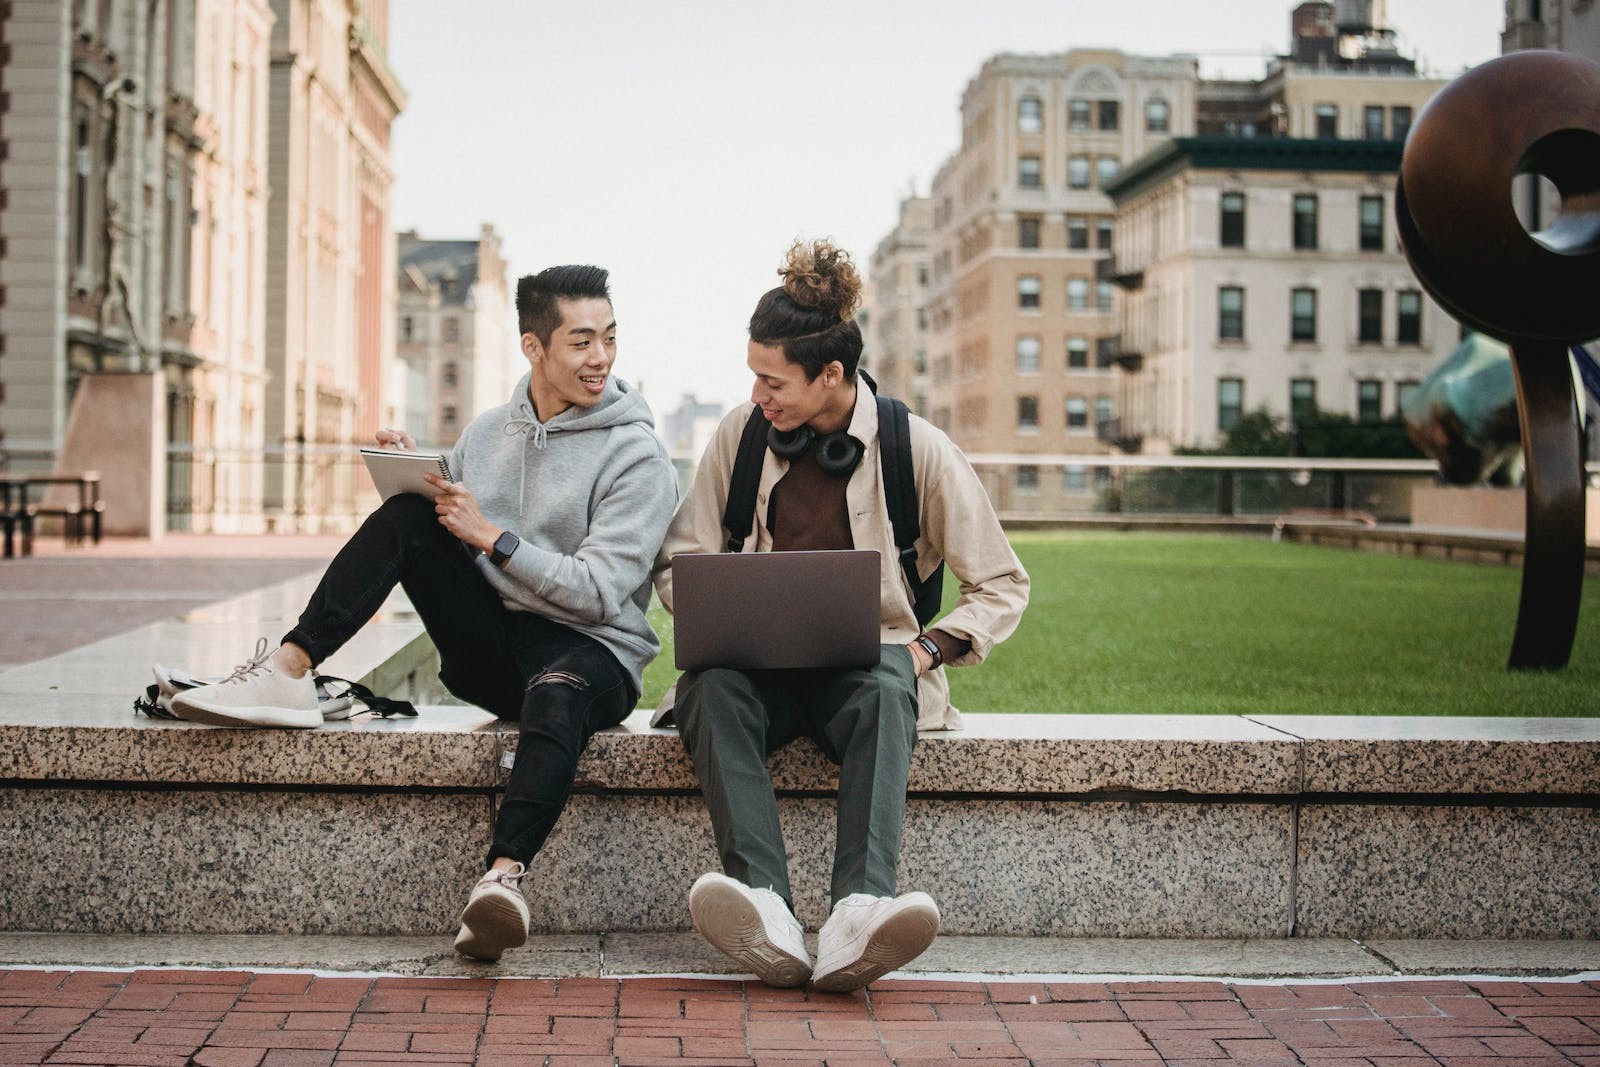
[{"x": 899, "y": 490}]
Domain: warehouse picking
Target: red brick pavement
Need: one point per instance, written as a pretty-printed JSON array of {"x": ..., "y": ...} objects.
[{"x": 237, "y": 1019}]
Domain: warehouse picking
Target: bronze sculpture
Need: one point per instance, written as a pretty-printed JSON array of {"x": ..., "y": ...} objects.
[{"x": 1534, "y": 112}]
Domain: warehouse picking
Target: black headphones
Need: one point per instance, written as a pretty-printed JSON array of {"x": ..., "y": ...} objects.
[{"x": 837, "y": 452}]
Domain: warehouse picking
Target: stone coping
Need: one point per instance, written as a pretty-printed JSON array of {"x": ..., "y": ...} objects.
[{"x": 75, "y": 738}]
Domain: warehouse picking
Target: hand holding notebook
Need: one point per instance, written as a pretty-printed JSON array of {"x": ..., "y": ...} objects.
[{"x": 401, "y": 472}]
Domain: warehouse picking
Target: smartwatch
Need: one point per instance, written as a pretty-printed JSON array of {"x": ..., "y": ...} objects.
[
  {"x": 931, "y": 647},
  {"x": 504, "y": 545}
]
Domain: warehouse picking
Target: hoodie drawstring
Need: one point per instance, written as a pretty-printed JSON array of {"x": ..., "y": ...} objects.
[{"x": 524, "y": 423}]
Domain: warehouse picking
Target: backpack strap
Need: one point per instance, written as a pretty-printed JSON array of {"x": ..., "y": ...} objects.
[
  {"x": 900, "y": 497},
  {"x": 738, "y": 515},
  {"x": 383, "y": 707}
]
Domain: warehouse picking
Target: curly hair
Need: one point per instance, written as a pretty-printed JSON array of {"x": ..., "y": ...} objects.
[{"x": 811, "y": 316}]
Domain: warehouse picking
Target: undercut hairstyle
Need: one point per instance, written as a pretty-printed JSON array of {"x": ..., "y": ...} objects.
[
  {"x": 811, "y": 316},
  {"x": 538, "y": 296}
]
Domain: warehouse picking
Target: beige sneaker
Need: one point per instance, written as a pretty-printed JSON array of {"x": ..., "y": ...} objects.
[
  {"x": 866, "y": 937},
  {"x": 753, "y": 927},
  {"x": 255, "y": 694},
  {"x": 496, "y": 915}
]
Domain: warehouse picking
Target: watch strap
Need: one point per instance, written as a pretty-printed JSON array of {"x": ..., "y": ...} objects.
[
  {"x": 931, "y": 647},
  {"x": 504, "y": 545}
]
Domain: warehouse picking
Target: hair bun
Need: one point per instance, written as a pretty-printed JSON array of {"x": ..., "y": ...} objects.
[{"x": 821, "y": 276}]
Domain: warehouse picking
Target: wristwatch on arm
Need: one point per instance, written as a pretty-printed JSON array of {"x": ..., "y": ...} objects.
[
  {"x": 504, "y": 545},
  {"x": 931, "y": 647}
]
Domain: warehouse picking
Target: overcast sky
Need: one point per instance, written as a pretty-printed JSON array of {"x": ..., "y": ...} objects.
[{"x": 682, "y": 144}]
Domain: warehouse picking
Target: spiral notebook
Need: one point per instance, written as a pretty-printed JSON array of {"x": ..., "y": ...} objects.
[{"x": 401, "y": 472}]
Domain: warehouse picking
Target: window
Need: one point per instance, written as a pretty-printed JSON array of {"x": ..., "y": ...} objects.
[
  {"x": 1109, "y": 116},
  {"x": 1027, "y": 355},
  {"x": 448, "y": 376},
  {"x": 407, "y": 326},
  {"x": 1303, "y": 315},
  {"x": 1106, "y": 168},
  {"x": 1232, "y": 220},
  {"x": 1027, "y": 414},
  {"x": 1305, "y": 220},
  {"x": 1230, "y": 313},
  {"x": 1103, "y": 231},
  {"x": 1403, "y": 392},
  {"x": 1078, "y": 172},
  {"x": 1327, "y": 121},
  {"x": 1370, "y": 330},
  {"x": 1077, "y": 232},
  {"x": 452, "y": 329},
  {"x": 1372, "y": 224},
  {"x": 1078, "y": 115},
  {"x": 1157, "y": 115},
  {"x": 1230, "y": 402},
  {"x": 1302, "y": 400},
  {"x": 1077, "y": 413},
  {"x": 1028, "y": 291},
  {"x": 1077, "y": 353},
  {"x": 1077, "y": 294},
  {"x": 1030, "y": 115},
  {"x": 1027, "y": 477},
  {"x": 83, "y": 167},
  {"x": 1399, "y": 122},
  {"x": 1103, "y": 410},
  {"x": 447, "y": 416},
  {"x": 1102, "y": 296},
  {"x": 922, "y": 270},
  {"x": 1075, "y": 480},
  {"x": 1028, "y": 173},
  {"x": 1369, "y": 401},
  {"x": 1028, "y": 231},
  {"x": 1408, "y": 317},
  {"x": 1372, "y": 122}
]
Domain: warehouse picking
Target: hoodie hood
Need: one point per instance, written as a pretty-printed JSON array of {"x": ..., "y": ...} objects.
[{"x": 619, "y": 405}]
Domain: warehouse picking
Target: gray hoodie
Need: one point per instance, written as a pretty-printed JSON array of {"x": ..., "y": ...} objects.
[{"x": 590, "y": 494}]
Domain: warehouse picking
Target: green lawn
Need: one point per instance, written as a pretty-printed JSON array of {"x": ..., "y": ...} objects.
[{"x": 1153, "y": 623}]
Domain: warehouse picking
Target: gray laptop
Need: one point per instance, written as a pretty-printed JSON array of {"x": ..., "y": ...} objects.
[{"x": 775, "y": 610}]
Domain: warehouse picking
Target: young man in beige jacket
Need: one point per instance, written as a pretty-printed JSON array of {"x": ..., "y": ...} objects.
[{"x": 804, "y": 348}]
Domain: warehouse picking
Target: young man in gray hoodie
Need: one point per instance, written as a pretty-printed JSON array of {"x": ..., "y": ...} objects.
[{"x": 530, "y": 570}]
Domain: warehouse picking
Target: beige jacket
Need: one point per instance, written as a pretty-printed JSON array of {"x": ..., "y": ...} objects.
[{"x": 958, "y": 525}]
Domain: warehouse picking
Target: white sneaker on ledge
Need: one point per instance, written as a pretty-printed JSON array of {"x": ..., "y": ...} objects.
[
  {"x": 752, "y": 927},
  {"x": 866, "y": 937},
  {"x": 496, "y": 915},
  {"x": 255, "y": 694}
]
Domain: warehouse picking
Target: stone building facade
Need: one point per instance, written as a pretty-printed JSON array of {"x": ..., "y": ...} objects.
[{"x": 457, "y": 334}]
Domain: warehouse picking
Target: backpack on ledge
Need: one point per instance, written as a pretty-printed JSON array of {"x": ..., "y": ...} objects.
[{"x": 899, "y": 491}]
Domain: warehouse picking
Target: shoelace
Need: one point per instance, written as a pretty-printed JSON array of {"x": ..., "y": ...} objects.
[
  {"x": 255, "y": 666},
  {"x": 511, "y": 877}
]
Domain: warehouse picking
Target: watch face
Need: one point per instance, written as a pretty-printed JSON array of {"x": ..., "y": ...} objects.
[{"x": 506, "y": 544}]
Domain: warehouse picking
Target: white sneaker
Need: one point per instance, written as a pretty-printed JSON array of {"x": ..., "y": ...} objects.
[
  {"x": 496, "y": 915},
  {"x": 866, "y": 937},
  {"x": 753, "y": 927},
  {"x": 255, "y": 694}
]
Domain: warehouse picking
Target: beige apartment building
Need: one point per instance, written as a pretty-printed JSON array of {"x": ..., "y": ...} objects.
[
  {"x": 457, "y": 334},
  {"x": 897, "y": 283},
  {"x": 1014, "y": 309},
  {"x": 1264, "y": 273},
  {"x": 330, "y": 258}
]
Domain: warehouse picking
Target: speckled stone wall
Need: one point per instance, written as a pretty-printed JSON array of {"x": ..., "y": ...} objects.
[{"x": 136, "y": 861}]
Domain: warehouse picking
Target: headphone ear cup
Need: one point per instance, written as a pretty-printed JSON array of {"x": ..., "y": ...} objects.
[
  {"x": 789, "y": 444},
  {"x": 838, "y": 453}
]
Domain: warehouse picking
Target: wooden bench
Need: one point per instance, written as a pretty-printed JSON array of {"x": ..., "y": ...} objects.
[
  {"x": 73, "y": 498},
  {"x": 16, "y": 517}
]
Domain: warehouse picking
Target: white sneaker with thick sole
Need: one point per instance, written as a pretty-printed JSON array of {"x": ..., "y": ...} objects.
[
  {"x": 496, "y": 915},
  {"x": 752, "y": 927},
  {"x": 255, "y": 694},
  {"x": 866, "y": 937}
]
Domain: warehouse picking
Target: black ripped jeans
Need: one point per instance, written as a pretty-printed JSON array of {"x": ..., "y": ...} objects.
[{"x": 561, "y": 686}]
